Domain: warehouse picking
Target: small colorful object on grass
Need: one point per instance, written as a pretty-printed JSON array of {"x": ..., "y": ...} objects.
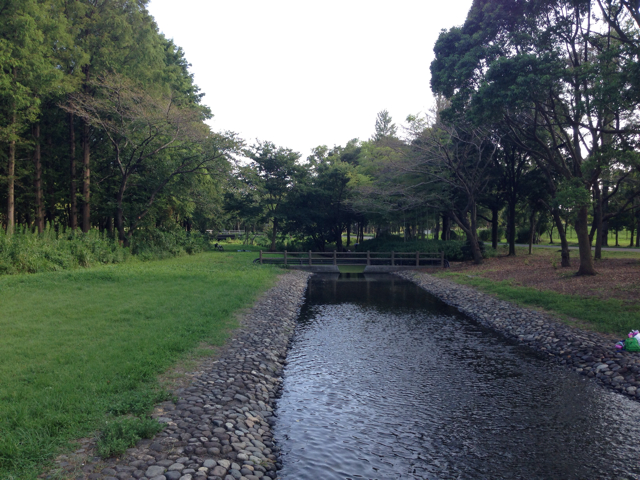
[{"x": 631, "y": 343}]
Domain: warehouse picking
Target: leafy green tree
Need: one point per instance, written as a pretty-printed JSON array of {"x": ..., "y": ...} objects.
[
  {"x": 274, "y": 173},
  {"x": 153, "y": 139},
  {"x": 550, "y": 72},
  {"x": 28, "y": 72},
  {"x": 319, "y": 207},
  {"x": 385, "y": 127}
]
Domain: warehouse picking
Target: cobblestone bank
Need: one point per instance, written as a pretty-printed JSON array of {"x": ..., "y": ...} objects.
[
  {"x": 220, "y": 428},
  {"x": 588, "y": 353}
]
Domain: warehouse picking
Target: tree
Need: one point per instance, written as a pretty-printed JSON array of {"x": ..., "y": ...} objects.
[
  {"x": 456, "y": 159},
  {"x": 27, "y": 73},
  {"x": 153, "y": 139},
  {"x": 551, "y": 73},
  {"x": 385, "y": 127},
  {"x": 319, "y": 206},
  {"x": 275, "y": 170}
]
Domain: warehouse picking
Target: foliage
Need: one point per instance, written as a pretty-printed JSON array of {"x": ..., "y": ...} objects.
[
  {"x": 28, "y": 252},
  {"x": 485, "y": 234},
  {"x": 161, "y": 243},
  {"x": 101, "y": 100},
  {"x": 454, "y": 250}
]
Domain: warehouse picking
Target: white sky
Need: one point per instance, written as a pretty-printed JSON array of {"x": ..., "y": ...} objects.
[{"x": 302, "y": 73}]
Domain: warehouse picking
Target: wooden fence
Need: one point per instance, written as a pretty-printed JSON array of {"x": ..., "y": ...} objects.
[{"x": 404, "y": 259}]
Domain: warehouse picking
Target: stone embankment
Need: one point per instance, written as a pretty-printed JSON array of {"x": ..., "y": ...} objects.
[
  {"x": 220, "y": 427},
  {"x": 588, "y": 353}
]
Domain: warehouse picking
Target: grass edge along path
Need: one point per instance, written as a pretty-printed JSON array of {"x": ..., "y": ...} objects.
[
  {"x": 82, "y": 349},
  {"x": 611, "y": 316}
]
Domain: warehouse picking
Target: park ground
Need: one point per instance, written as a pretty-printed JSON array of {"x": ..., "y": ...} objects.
[
  {"x": 82, "y": 351},
  {"x": 608, "y": 302}
]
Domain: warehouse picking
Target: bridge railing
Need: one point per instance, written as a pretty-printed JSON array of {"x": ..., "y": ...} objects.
[{"x": 405, "y": 259}]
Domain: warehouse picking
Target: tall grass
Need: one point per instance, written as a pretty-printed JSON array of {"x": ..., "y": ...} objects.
[
  {"x": 28, "y": 252},
  {"x": 81, "y": 349}
]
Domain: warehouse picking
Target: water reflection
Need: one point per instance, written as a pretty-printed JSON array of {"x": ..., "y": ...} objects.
[{"x": 386, "y": 382}]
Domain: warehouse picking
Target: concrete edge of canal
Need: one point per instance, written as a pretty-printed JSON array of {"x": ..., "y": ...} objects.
[{"x": 588, "y": 353}]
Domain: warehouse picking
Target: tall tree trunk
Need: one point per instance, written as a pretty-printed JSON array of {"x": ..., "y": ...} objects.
[
  {"x": 494, "y": 227},
  {"x": 469, "y": 227},
  {"x": 73, "y": 214},
  {"x": 617, "y": 244},
  {"x": 511, "y": 225},
  {"x": 446, "y": 227},
  {"x": 597, "y": 222},
  {"x": 86, "y": 178},
  {"x": 532, "y": 230},
  {"x": 582, "y": 231},
  {"x": 436, "y": 233},
  {"x": 120, "y": 215},
  {"x": 37, "y": 160},
  {"x": 551, "y": 234},
  {"x": 51, "y": 191},
  {"x": 275, "y": 233},
  {"x": 632, "y": 232},
  {"x": 348, "y": 234},
  {"x": 564, "y": 244},
  {"x": 11, "y": 179}
]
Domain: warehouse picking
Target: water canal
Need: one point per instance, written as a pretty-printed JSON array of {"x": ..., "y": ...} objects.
[{"x": 386, "y": 382}]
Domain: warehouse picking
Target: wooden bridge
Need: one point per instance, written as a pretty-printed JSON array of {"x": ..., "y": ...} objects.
[{"x": 371, "y": 261}]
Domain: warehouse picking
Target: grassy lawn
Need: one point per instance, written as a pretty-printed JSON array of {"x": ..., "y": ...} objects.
[
  {"x": 607, "y": 316},
  {"x": 81, "y": 347}
]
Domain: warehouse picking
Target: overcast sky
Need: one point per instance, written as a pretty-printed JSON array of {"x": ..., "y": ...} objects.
[{"x": 302, "y": 73}]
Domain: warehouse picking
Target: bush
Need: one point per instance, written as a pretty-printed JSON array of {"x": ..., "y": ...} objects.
[
  {"x": 29, "y": 252},
  {"x": 484, "y": 235},
  {"x": 453, "y": 249},
  {"x": 158, "y": 243}
]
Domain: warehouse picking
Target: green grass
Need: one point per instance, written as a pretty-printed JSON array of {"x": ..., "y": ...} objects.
[
  {"x": 607, "y": 316},
  {"x": 82, "y": 347}
]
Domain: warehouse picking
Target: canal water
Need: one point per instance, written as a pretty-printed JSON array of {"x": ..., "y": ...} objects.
[{"x": 384, "y": 382}]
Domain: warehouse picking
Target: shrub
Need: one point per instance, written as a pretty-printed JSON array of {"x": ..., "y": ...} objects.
[
  {"x": 28, "y": 252},
  {"x": 158, "y": 243},
  {"x": 453, "y": 249},
  {"x": 484, "y": 235}
]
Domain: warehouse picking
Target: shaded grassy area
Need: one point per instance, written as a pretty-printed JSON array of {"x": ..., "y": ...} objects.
[
  {"x": 607, "y": 316},
  {"x": 81, "y": 347}
]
